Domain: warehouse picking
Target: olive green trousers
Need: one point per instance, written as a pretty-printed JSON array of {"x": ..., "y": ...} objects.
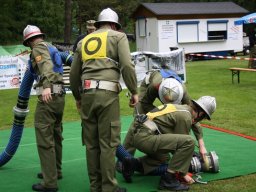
[
  {"x": 101, "y": 134},
  {"x": 48, "y": 130},
  {"x": 157, "y": 146}
]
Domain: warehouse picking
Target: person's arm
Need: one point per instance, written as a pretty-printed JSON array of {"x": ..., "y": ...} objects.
[
  {"x": 186, "y": 98},
  {"x": 202, "y": 148},
  {"x": 44, "y": 66},
  {"x": 149, "y": 91},
  {"x": 198, "y": 132},
  {"x": 75, "y": 77},
  {"x": 134, "y": 100},
  {"x": 127, "y": 68},
  {"x": 150, "y": 95}
]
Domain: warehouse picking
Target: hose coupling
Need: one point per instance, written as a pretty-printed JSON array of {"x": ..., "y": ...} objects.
[{"x": 20, "y": 112}]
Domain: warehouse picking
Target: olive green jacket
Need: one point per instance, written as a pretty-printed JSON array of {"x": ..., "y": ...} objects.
[
  {"x": 43, "y": 66},
  {"x": 176, "y": 122},
  {"x": 118, "y": 62},
  {"x": 148, "y": 92}
]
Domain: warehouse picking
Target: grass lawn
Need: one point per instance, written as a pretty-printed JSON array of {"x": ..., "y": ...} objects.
[{"x": 236, "y": 107}]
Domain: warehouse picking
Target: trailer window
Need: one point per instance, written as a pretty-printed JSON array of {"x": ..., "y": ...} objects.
[
  {"x": 142, "y": 27},
  {"x": 217, "y": 30},
  {"x": 187, "y": 31}
]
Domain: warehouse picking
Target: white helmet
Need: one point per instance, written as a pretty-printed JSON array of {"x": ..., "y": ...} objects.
[
  {"x": 29, "y": 32},
  {"x": 108, "y": 15},
  {"x": 170, "y": 91},
  {"x": 207, "y": 104}
]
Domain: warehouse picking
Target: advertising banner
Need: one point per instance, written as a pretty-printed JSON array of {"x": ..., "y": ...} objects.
[
  {"x": 9, "y": 75},
  {"x": 12, "y": 70}
]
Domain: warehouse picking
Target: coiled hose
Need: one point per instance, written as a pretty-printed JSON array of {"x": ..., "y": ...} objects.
[{"x": 21, "y": 110}]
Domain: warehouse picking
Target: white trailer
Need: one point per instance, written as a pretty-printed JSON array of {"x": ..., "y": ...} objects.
[{"x": 195, "y": 27}]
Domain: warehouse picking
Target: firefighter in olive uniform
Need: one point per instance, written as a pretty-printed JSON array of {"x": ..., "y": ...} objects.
[
  {"x": 172, "y": 91},
  {"x": 89, "y": 28},
  {"x": 46, "y": 66},
  {"x": 166, "y": 129},
  {"x": 167, "y": 86},
  {"x": 99, "y": 60}
]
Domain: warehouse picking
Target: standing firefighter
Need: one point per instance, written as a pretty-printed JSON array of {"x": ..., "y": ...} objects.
[
  {"x": 252, "y": 40},
  {"x": 46, "y": 66},
  {"x": 99, "y": 60},
  {"x": 89, "y": 29}
]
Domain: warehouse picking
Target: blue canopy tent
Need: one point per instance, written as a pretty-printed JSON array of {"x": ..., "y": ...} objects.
[{"x": 247, "y": 19}]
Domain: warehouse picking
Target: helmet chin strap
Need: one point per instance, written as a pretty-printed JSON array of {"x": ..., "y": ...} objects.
[{"x": 200, "y": 115}]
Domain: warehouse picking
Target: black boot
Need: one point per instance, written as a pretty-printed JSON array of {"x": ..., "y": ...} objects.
[
  {"x": 170, "y": 182},
  {"x": 128, "y": 168},
  {"x": 40, "y": 187}
]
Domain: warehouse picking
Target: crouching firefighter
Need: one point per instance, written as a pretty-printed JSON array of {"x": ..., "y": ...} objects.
[
  {"x": 163, "y": 130},
  {"x": 46, "y": 66}
]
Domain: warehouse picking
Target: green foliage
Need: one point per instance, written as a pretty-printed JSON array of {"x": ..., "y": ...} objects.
[
  {"x": 132, "y": 46},
  {"x": 49, "y": 15}
]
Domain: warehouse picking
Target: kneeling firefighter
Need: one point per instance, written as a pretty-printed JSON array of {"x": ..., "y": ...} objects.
[
  {"x": 166, "y": 86},
  {"x": 166, "y": 130}
]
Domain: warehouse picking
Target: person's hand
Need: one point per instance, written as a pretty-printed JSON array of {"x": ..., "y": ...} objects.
[
  {"x": 188, "y": 179},
  {"x": 134, "y": 100},
  {"x": 78, "y": 106},
  {"x": 46, "y": 95}
]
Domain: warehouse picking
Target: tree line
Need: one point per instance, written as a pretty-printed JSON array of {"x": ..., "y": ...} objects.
[{"x": 64, "y": 20}]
